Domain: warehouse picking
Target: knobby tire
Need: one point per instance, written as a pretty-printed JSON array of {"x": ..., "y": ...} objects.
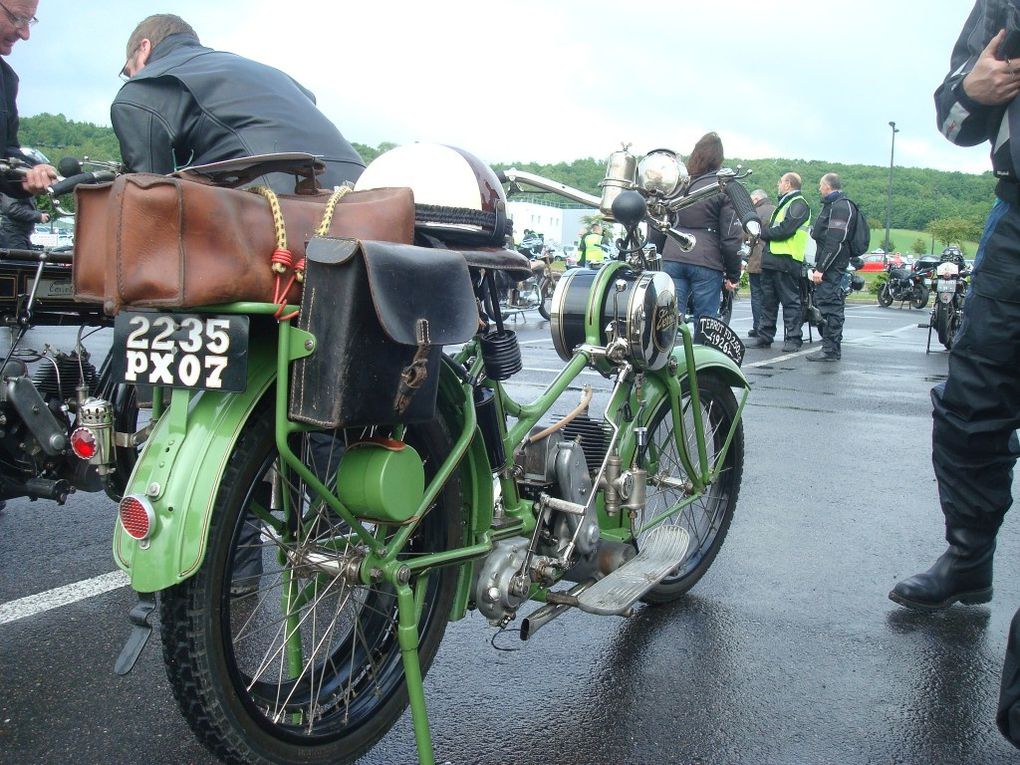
[{"x": 244, "y": 703}]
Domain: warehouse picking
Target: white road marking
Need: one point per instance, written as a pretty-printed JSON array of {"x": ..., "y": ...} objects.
[{"x": 61, "y": 596}]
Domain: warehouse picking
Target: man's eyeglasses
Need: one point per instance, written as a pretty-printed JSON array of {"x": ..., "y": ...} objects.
[
  {"x": 24, "y": 22},
  {"x": 123, "y": 74}
]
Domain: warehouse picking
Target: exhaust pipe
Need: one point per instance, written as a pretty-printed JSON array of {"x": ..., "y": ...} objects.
[{"x": 545, "y": 614}]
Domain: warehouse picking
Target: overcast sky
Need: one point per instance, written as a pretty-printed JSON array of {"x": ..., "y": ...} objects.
[{"x": 551, "y": 80}]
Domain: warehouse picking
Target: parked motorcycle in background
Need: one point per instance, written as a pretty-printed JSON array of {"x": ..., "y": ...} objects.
[
  {"x": 906, "y": 284},
  {"x": 950, "y": 291},
  {"x": 65, "y": 425},
  {"x": 852, "y": 282},
  {"x": 537, "y": 290}
]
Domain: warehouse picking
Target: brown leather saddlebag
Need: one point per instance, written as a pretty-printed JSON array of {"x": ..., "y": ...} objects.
[
  {"x": 168, "y": 242},
  {"x": 380, "y": 314}
]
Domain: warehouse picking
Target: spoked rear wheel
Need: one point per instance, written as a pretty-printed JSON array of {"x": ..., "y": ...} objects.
[
  {"x": 302, "y": 663},
  {"x": 708, "y": 518}
]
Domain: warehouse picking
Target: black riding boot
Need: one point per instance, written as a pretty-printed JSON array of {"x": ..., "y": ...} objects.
[{"x": 963, "y": 573}]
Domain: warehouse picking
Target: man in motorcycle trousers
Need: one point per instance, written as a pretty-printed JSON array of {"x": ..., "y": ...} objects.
[
  {"x": 831, "y": 230},
  {"x": 977, "y": 409}
]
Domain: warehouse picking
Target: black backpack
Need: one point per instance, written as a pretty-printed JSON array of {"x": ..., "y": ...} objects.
[{"x": 860, "y": 237}]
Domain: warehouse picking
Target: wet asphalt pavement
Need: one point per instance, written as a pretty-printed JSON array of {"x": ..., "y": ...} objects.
[{"x": 788, "y": 651}]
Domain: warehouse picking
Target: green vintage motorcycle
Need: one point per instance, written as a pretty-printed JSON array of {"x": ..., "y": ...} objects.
[{"x": 323, "y": 490}]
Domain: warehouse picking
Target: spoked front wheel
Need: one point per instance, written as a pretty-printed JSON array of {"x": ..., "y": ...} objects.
[
  {"x": 301, "y": 662},
  {"x": 946, "y": 324},
  {"x": 707, "y": 519}
]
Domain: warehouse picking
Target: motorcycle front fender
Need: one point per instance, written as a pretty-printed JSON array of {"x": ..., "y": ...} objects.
[
  {"x": 179, "y": 472},
  {"x": 658, "y": 386}
]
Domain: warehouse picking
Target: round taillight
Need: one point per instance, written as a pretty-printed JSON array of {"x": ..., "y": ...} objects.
[
  {"x": 83, "y": 443},
  {"x": 136, "y": 516}
]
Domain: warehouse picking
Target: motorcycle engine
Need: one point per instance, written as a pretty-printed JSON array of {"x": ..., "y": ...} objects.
[
  {"x": 553, "y": 467},
  {"x": 58, "y": 376}
]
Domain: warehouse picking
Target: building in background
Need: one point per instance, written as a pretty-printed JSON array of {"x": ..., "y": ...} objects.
[{"x": 558, "y": 225}]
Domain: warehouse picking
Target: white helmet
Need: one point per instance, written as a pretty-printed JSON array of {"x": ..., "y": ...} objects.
[{"x": 457, "y": 197}]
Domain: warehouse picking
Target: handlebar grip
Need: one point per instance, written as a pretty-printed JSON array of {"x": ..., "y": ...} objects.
[
  {"x": 501, "y": 177},
  {"x": 743, "y": 206},
  {"x": 68, "y": 184}
]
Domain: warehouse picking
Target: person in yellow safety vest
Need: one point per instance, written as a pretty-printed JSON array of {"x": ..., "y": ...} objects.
[
  {"x": 591, "y": 250},
  {"x": 786, "y": 240}
]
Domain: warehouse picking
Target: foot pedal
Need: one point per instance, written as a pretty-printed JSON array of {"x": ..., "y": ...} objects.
[{"x": 663, "y": 550}]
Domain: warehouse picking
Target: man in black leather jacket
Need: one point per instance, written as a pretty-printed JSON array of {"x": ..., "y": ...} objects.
[
  {"x": 184, "y": 104},
  {"x": 831, "y": 230}
]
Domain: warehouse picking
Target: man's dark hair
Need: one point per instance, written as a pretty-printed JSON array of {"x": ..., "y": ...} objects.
[
  {"x": 157, "y": 28},
  {"x": 833, "y": 181},
  {"x": 707, "y": 156}
]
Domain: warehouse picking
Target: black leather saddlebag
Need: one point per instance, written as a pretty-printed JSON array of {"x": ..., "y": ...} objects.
[{"x": 380, "y": 313}]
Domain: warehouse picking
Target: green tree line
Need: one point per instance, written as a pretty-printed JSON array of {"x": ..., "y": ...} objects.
[{"x": 919, "y": 197}]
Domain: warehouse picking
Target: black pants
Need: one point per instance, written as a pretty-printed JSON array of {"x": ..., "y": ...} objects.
[
  {"x": 780, "y": 287},
  {"x": 977, "y": 411},
  {"x": 830, "y": 300}
]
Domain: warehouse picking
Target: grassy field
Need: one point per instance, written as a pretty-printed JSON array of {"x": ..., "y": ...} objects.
[{"x": 904, "y": 238}]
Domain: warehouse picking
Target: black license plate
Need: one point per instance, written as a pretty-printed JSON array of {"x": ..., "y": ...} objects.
[
  {"x": 719, "y": 335},
  {"x": 198, "y": 351}
]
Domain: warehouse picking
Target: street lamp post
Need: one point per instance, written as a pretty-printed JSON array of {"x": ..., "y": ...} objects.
[{"x": 888, "y": 199}]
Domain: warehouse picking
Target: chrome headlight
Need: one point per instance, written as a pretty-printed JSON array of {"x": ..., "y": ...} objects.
[{"x": 660, "y": 172}]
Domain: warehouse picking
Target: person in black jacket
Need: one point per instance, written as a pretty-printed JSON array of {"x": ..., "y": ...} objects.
[
  {"x": 714, "y": 262},
  {"x": 16, "y": 19},
  {"x": 831, "y": 230},
  {"x": 17, "y": 221},
  {"x": 184, "y": 104}
]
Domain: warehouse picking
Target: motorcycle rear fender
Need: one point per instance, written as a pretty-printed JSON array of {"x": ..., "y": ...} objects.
[
  {"x": 475, "y": 478},
  {"x": 180, "y": 474}
]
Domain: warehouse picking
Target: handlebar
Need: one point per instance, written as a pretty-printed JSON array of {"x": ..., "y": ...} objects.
[
  {"x": 37, "y": 256},
  {"x": 513, "y": 176},
  {"x": 68, "y": 184}
]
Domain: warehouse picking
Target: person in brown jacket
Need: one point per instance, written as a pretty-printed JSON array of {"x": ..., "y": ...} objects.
[{"x": 764, "y": 207}]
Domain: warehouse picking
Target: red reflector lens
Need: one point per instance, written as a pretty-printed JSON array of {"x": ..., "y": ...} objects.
[
  {"x": 83, "y": 443},
  {"x": 136, "y": 517}
]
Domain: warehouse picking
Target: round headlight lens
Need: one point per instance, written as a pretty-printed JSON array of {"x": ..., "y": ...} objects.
[{"x": 661, "y": 172}]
